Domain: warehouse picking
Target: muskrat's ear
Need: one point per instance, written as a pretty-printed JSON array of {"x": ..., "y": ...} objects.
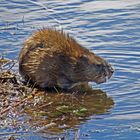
[{"x": 84, "y": 57}]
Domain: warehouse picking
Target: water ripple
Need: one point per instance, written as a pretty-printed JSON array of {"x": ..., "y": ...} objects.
[{"x": 109, "y": 28}]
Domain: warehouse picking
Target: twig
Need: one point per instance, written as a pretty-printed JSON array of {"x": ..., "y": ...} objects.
[
  {"x": 17, "y": 104},
  {"x": 77, "y": 135},
  {"x": 11, "y": 133},
  {"x": 45, "y": 105},
  {"x": 45, "y": 127}
]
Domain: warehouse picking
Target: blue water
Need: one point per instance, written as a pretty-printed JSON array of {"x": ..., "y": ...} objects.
[{"x": 111, "y": 29}]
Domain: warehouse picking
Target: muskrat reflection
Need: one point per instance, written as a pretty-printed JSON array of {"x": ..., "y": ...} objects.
[{"x": 67, "y": 109}]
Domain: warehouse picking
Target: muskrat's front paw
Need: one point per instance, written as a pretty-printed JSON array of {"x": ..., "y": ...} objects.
[{"x": 80, "y": 87}]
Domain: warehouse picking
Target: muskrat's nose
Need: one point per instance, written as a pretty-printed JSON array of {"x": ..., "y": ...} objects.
[
  {"x": 106, "y": 70},
  {"x": 110, "y": 71}
]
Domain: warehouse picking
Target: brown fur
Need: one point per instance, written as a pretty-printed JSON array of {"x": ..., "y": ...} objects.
[{"x": 52, "y": 58}]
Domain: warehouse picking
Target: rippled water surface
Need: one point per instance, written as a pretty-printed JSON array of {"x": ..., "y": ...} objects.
[{"x": 111, "y": 29}]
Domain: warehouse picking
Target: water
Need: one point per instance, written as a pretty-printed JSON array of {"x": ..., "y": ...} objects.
[{"x": 109, "y": 28}]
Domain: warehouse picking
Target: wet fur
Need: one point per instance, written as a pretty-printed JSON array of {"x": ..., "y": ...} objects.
[{"x": 52, "y": 58}]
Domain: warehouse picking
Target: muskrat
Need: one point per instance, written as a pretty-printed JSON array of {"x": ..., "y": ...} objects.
[{"x": 51, "y": 58}]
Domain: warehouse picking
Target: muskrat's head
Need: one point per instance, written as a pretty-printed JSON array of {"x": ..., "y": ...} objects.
[{"x": 94, "y": 68}]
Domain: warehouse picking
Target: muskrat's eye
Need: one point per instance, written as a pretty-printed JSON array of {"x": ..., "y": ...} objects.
[
  {"x": 99, "y": 67},
  {"x": 40, "y": 45}
]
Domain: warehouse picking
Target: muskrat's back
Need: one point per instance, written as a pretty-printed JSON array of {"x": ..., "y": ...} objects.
[{"x": 52, "y": 58}]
